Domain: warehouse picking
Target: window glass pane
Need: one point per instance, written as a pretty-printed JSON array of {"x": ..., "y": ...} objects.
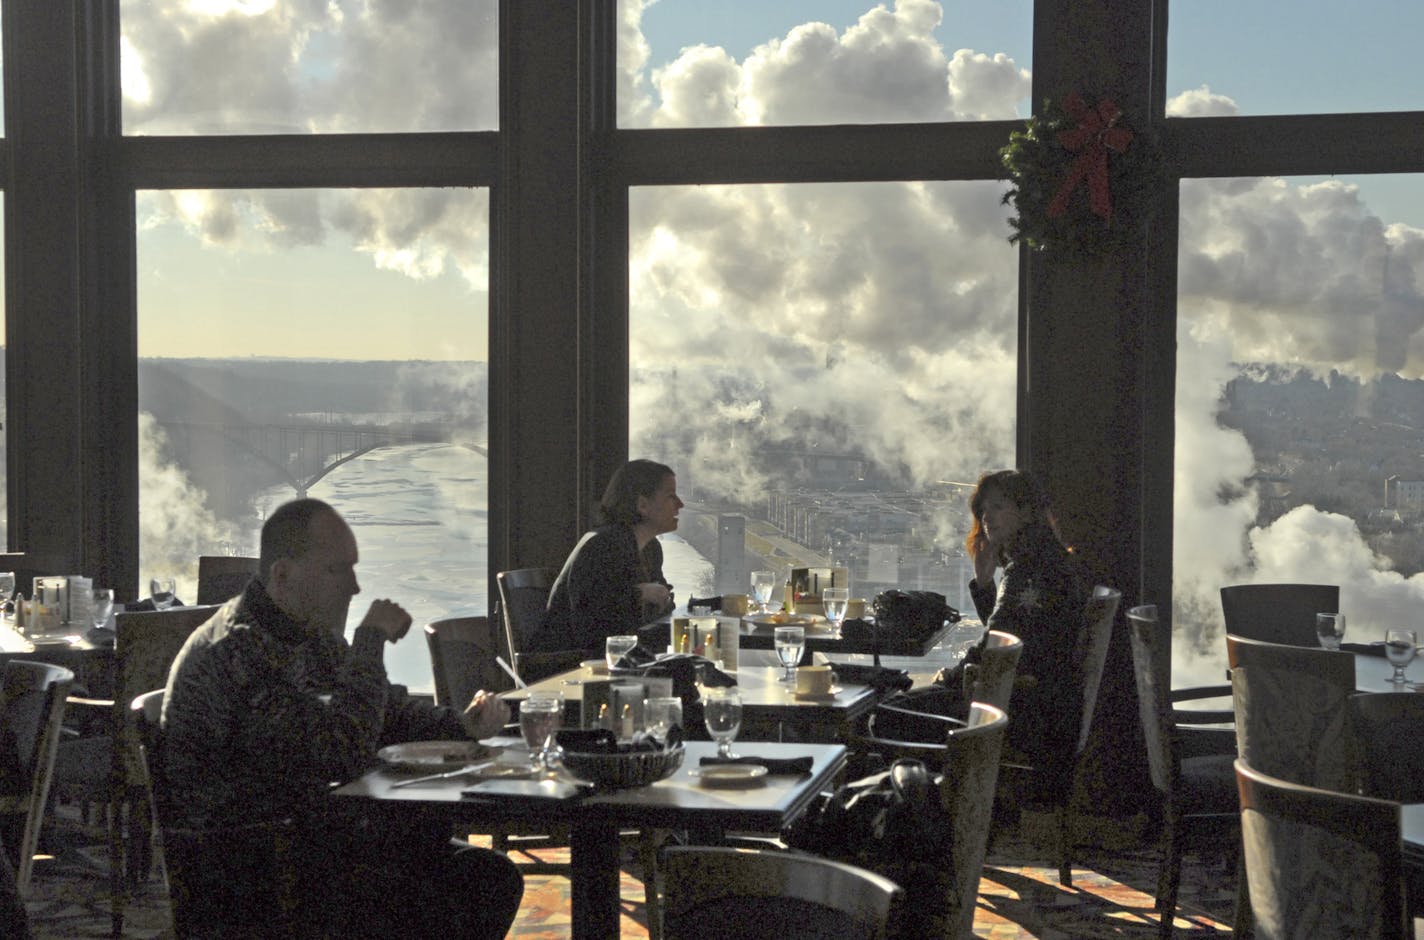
[
  {"x": 827, "y": 368},
  {"x": 334, "y": 341},
  {"x": 1300, "y": 396},
  {"x": 1294, "y": 56},
  {"x": 276, "y": 67},
  {"x": 689, "y": 63}
]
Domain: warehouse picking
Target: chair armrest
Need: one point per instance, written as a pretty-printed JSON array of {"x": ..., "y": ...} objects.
[
  {"x": 918, "y": 715},
  {"x": 1202, "y": 716}
]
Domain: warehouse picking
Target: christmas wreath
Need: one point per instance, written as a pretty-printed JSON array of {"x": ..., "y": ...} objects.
[{"x": 1082, "y": 180}]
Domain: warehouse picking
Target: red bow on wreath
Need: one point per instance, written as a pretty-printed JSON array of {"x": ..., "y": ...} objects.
[{"x": 1097, "y": 133}]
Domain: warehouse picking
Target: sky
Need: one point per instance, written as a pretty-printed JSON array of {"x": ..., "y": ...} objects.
[{"x": 777, "y": 308}]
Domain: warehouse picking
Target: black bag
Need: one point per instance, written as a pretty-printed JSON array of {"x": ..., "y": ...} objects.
[
  {"x": 913, "y": 612},
  {"x": 892, "y": 823}
]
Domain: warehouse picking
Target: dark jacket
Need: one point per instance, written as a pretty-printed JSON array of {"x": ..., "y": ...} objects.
[
  {"x": 596, "y": 594},
  {"x": 1041, "y": 600}
]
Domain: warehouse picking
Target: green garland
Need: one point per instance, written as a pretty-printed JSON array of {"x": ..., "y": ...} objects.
[{"x": 1039, "y": 167}]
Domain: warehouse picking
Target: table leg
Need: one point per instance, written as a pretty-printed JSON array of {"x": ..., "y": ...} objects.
[{"x": 594, "y": 853}]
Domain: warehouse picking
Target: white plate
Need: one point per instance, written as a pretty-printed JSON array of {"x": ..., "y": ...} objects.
[
  {"x": 786, "y": 620},
  {"x": 53, "y": 639},
  {"x": 434, "y": 756},
  {"x": 730, "y": 775},
  {"x": 821, "y": 696}
]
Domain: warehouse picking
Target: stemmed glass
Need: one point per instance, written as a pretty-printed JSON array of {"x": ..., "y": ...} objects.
[
  {"x": 1330, "y": 630},
  {"x": 1399, "y": 650},
  {"x": 722, "y": 712},
  {"x": 540, "y": 716},
  {"x": 101, "y": 605},
  {"x": 834, "y": 600},
  {"x": 789, "y": 641},
  {"x": 762, "y": 583},
  {"x": 163, "y": 591},
  {"x": 7, "y": 589}
]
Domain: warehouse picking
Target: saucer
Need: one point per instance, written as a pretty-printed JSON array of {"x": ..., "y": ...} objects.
[
  {"x": 820, "y": 696},
  {"x": 729, "y": 775}
]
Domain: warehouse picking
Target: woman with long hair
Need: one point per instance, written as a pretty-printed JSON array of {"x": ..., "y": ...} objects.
[
  {"x": 1041, "y": 600},
  {"x": 612, "y": 582}
]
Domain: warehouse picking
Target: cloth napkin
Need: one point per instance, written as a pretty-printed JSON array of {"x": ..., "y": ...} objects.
[
  {"x": 792, "y": 766},
  {"x": 1369, "y": 649},
  {"x": 880, "y": 678}
]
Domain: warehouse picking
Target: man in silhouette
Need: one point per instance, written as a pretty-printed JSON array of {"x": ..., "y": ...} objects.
[{"x": 266, "y": 706}]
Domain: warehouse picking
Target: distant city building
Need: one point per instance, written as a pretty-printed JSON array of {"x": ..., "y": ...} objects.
[{"x": 1399, "y": 494}]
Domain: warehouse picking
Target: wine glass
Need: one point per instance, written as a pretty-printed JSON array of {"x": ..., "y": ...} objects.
[
  {"x": 790, "y": 641},
  {"x": 722, "y": 712},
  {"x": 101, "y": 605},
  {"x": 615, "y": 647},
  {"x": 1330, "y": 630},
  {"x": 1399, "y": 650},
  {"x": 762, "y": 583},
  {"x": 163, "y": 591},
  {"x": 661, "y": 713},
  {"x": 7, "y": 590},
  {"x": 834, "y": 600},
  {"x": 540, "y": 716}
]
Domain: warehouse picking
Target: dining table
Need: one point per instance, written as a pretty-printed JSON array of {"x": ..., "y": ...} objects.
[
  {"x": 73, "y": 646},
  {"x": 771, "y": 709},
  {"x": 685, "y": 800}
]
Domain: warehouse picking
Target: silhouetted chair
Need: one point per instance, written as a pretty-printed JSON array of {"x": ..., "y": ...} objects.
[
  {"x": 222, "y": 577},
  {"x": 990, "y": 681},
  {"x": 1320, "y": 863},
  {"x": 1292, "y": 719},
  {"x": 462, "y": 652},
  {"x": 32, "y": 702},
  {"x": 1387, "y": 728},
  {"x": 1090, "y": 653},
  {"x": 770, "y": 895},
  {"x": 523, "y": 595},
  {"x": 106, "y": 768},
  {"x": 1278, "y": 613},
  {"x": 259, "y": 883},
  {"x": 1199, "y": 803}
]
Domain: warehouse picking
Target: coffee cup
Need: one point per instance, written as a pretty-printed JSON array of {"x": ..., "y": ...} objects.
[
  {"x": 734, "y": 605},
  {"x": 813, "y": 680},
  {"x": 855, "y": 608}
]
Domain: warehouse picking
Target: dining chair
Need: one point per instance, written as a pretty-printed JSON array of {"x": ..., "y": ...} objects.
[
  {"x": 264, "y": 858},
  {"x": 32, "y": 703},
  {"x": 1319, "y": 862},
  {"x": 759, "y": 894},
  {"x": 106, "y": 767},
  {"x": 1199, "y": 801},
  {"x": 1387, "y": 728},
  {"x": 990, "y": 681},
  {"x": 1277, "y": 613},
  {"x": 1292, "y": 719},
  {"x": 222, "y": 577},
  {"x": 523, "y": 595},
  {"x": 1090, "y": 657},
  {"x": 462, "y": 659}
]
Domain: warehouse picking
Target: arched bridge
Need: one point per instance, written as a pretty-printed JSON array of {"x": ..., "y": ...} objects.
[{"x": 304, "y": 453}]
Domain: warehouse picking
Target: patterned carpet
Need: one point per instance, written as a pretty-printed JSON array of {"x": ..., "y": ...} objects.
[{"x": 1019, "y": 897}]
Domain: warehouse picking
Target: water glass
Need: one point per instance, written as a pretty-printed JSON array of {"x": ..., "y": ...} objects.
[
  {"x": 790, "y": 642},
  {"x": 615, "y": 647},
  {"x": 163, "y": 591},
  {"x": 1330, "y": 630},
  {"x": 762, "y": 584},
  {"x": 722, "y": 713},
  {"x": 101, "y": 605},
  {"x": 1399, "y": 649},
  {"x": 834, "y": 600},
  {"x": 660, "y": 714},
  {"x": 540, "y": 716}
]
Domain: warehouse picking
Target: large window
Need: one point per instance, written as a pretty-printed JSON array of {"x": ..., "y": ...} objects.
[
  {"x": 828, "y": 364},
  {"x": 689, "y": 63},
  {"x": 1300, "y": 400},
  {"x": 327, "y": 343},
  {"x": 270, "y": 67}
]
